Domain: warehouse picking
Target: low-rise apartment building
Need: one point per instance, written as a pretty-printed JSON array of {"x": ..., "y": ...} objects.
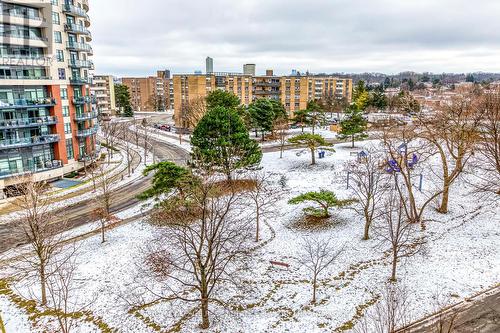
[
  {"x": 150, "y": 94},
  {"x": 103, "y": 90},
  {"x": 294, "y": 92}
]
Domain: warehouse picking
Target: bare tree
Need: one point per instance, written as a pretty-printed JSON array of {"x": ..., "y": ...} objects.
[
  {"x": 144, "y": 125},
  {"x": 104, "y": 198},
  {"x": 489, "y": 147},
  {"x": 317, "y": 255},
  {"x": 391, "y": 312},
  {"x": 282, "y": 130},
  {"x": 206, "y": 239},
  {"x": 397, "y": 231},
  {"x": 406, "y": 152},
  {"x": 110, "y": 132},
  {"x": 368, "y": 185},
  {"x": 64, "y": 293},
  {"x": 453, "y": 131},
  {"x": 192, "y": 112},
  {"x": 36, "y": 226},
  {"x": 264, "y": 197}
]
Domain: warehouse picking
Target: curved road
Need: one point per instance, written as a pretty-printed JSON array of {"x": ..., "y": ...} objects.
[{"x": 122, "y": 199}]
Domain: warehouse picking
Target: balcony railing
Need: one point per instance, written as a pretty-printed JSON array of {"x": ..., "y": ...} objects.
[
  {"x": 80, "y": 81},
  {"x": 38, "y": 166},
  {"x": 27, "y": 142},
  {"x": 81, "y": 64},
  {"x": 22, "y": 77},
  {"x": 25, "y": 15},
  {"x": 28, "y": 103},
  {"x": 75, "y": 46},
  {"x": 28, "y": 122},
  {"x": 76, "y": 28},
  {"x": 87, "y": 132},
  {"x": 82, "y": 100},
  {"x": 86, "y": 116},
  {"x": 266, "y": 92},
  {"x": 73, "y": 10},
  {"x": 24, "y": 36}
]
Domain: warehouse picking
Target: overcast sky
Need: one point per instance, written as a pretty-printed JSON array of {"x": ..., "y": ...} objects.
[{"x": 136, "y": 37}]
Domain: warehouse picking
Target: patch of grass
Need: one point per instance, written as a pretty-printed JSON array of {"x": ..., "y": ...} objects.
[{"x": 36, "y": 313}]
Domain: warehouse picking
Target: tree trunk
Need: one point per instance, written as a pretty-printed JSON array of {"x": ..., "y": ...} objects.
[
  {"x": 281, "y": 151},
  {"x": 394, "y": 266},
  {"x": 103, "y": 226},
  {"x": 258, "y": 224},
  {"x": 353, "y": 141},
  {"x": 43, "y": 284},
  {"x": 205, "y": 322},
  {"x": 367, "y": 228},
  {"x": 443, "y": 209},
  {"x": 314, "y": 290},
  {"x": 313, "y": 154}
]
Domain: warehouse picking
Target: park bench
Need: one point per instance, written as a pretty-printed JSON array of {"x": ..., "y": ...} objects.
[{"x": 281, "y": 264}]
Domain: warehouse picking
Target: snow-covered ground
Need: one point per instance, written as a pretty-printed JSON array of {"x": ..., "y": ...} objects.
[
  {"x": 134, "y": 176},
  {"x": 460, "y": 258}
]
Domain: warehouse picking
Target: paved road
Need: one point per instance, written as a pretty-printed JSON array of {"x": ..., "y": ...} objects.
[
  {"x": 123, "y": 198},
  {"x": 479, "y": 315}
]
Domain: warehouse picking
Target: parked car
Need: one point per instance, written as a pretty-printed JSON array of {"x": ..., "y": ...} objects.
[{"x": 165, "y": 127}]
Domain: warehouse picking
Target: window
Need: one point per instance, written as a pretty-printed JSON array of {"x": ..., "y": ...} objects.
[
  {"x": 69, "y": 149},
  {"x": 58, "y": 37},
  {"x": 67, "y": 128},
  {"x": 62, "y": 73},
  {"x": 64, "y": 93},
  {"x": 60, "y": 55},
  {"x": 55, "y": 2},
  {"x": 65, "y": 110},
  {"x": 55, "y": 18}
]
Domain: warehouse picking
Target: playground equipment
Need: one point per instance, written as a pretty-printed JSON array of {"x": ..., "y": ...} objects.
[{"x": 395, "y": 166}]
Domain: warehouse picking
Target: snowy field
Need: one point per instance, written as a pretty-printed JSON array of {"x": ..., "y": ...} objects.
[{"x": 460, "y": 258}]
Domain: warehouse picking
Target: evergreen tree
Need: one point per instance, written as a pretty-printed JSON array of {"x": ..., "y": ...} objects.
[
  {"x": 325, "y": 199},
  {"x": 360, "y": 96},
  {"x": 221, "y": 142},
  {"x": 311, "y": 141},
  {"x": 378, "y": 99},
  {"x": 122, "y": 96},
  {"x": 262, "y": 115},
  {"x": 353, "y": 126},
  {"x": 168, "y": 177},
  {"x": 300, "y": 117},
  {"x": 315, "y": 114},
  {"x": 222, "y": 98}
]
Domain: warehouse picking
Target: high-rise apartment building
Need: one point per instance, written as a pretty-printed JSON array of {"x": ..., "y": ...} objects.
[
  {"x": 150, "y": 94},
  {"x": 48, "y": 124},
  {"x": 294, "y": 92},
  {"x": 103, "y": 90},
  {"x": 209, "y": 62}
]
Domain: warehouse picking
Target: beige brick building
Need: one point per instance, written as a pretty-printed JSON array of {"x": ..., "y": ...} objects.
[
  {"x": 103, "y": 89},
  {"x": 150, "y": 94},
  {"x": 294, "y": 92}
]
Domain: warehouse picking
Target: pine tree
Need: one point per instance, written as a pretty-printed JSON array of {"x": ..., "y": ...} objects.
[
  {"x": 325, "y": 199},
  {"x": 222, "y": 98},
  {"x": 221, "y": 142},
  {"x": 353, "y": 126},
  {"x": 311, "y": 141}
]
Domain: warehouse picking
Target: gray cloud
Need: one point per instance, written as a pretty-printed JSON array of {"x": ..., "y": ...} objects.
[{"x": 133, "y": 37}]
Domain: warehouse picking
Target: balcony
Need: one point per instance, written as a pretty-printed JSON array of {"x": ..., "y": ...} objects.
[
  {"x": 82, "y": 47},
  {"x": 267, "y": 84},
  {"x": 28, "y": 142},
  {"x": 81, "y": 100},
  {"x": 266, "y": 92},
  {"x": 74, "y": 10},
  {"x": 28, "y": 122},
  {"x": 76, "y": 29},
  {"x": 24, "y": 77},
  {"x": 28, "y": 103},
  {"x": 38, "y": 166},
  {"x": 86, "y": 116},
  {"x": 75, "y": 63},
  {"x": 80, "y": 81},
  {"x": 24, "y": 36},
  {"x": 87, "y": 132}
]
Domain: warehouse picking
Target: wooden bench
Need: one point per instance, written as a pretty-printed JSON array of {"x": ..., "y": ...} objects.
[{"x": 281, "y": 264}]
